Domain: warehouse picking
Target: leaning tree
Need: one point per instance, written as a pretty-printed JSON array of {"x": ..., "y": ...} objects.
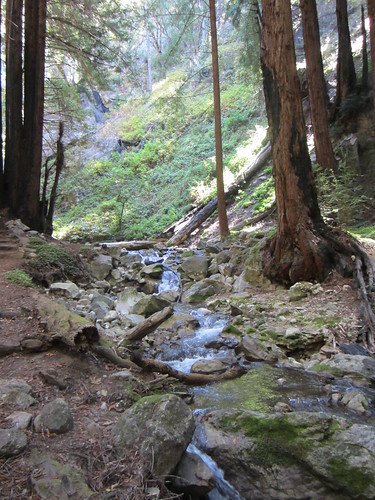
[{"x": 304, "y": 247}]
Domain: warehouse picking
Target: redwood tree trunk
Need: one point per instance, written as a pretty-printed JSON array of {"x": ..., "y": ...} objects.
[
  {"x": 13, "y": 181},
  {"x": 35, "y": 40},
  {"x": 297, "y": 252},
  {"x": 222, "y": 211},
  {"x": 371, "y": 15},
  {"x": 346, "y": 77},
  {"x": 317, "y": 87}
]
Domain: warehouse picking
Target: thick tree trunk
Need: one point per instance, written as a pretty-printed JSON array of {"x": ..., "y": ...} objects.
[
  {"x": 2, "y": 200},
  {"x": 364, "y": 51},
  {"x": 298, "y": 251},
  {"x": 317, "y": 86},
  {"x": 371, "y": 15},
  {"x": 35, "y": 40},
  {"x": 222, "y": 211},
  {"x": 13, "y": 181},
  {"x": 346, "y": 77}
]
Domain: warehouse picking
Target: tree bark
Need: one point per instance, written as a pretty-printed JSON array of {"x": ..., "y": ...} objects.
[
  {"x": 346, "y": 77},
  {"x": 222, "y": 211},
  {"x": 59, "y": 164},
  {"x": 298, "y": 251},
  {"x": 2, "y": 201},
  {"x": 148, "y": 325},
  {"x": 317, "y": 87},
  {"x": 364, "y": 51},
  {"x": 371, "y": 15},
  {"x": 35, "y": 42},
  {"x": 13, "y": 181},
  {"x": 204, "y": 212}
]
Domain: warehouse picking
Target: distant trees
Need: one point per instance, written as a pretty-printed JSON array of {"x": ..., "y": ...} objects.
[{"x": 345, "y": 73}]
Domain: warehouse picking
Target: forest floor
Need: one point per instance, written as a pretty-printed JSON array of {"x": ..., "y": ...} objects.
[{"x": 94, "y": 397}]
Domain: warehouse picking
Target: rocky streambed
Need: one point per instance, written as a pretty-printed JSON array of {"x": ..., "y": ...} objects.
[{"x": 299, "y": 423}]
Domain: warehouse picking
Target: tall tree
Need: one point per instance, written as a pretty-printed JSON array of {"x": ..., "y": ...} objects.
[
  {"x": 13, "y": 105},
  {"x": 24, "y": 109},
  {"x": 303, "y": 248},
  {"x": 2, "y": 201},
  {"x": 317, "y": 85},
  {"x": 222, "y": 211},
  {"x": 346, "y": 77},
  {"x": 371, "y": 15}
]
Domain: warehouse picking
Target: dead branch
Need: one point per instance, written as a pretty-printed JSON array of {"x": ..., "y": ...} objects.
[
  {"x": 148, "y": 325},
  {"x": 154, "y": 365},
  {"x": 111, "y": 355}
]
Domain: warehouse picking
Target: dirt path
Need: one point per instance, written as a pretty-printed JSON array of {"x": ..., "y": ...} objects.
[{"x": 86, "y": 383}]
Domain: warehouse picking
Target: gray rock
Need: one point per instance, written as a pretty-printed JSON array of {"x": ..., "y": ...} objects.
[
  {"x": 127, "y": 299},
  {"x": 16, "y": 392},
  {"x": 149, "y": 305},
  {"x": 193, "y": 476},
  {"x": 195, "y": 267},
  {"x": 12, "y": 442},
  {"x": 152, "y": 271},
  {"x": 101, "y": 266},
  {"x": 161, "y": 427},
  {"x": 253, "y": 350},
  {"x": 207, "y": 367},
  {"x": 67, "y": 289},
  {"x": 226, "y": 269},
  {"x": 55, "y": 480},
  {"x": 291, "y": 455},
  {"x": 223, "y": 257},
  {"x": 356, "y": 401},
  {"x": 302, "y": 290},
  {"x": 201, "y": 290},
  {"x": 55, "y": 417},
  {"x": 20, "y": 419},
  {"x": 345, "y": 364}
]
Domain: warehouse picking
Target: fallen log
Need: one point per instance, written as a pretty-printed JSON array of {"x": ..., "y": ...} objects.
[
  {"x": 154, "y": 365},
  {"x": 133, "y": 245},
  {"x": 148, "y": 325},
  {"x": 199, "y": 217},
  {"x": 111, "y": 355}
]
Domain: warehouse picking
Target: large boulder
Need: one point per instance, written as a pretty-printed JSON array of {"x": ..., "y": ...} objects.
[
  {"x": 67, "y": 289},
  {"x": 201, "y": 290},
  {"x": 12, "y": 442},
  {"x": 193, "y": 476},
  {"x": 161, "y": 427},
  {"x": 195, "y": 267},
  {"x": 149, "y": 305},
  {"x": 52, "y": 479},
  {"x": 55, "y": 417},
  {"x": 17, "y": 393},
  {"x": 362, "y": 367},
  {"x": 101, "y": 266},
  {"x": 293, "y": 455},
  {"x": 127, "y": 299}
]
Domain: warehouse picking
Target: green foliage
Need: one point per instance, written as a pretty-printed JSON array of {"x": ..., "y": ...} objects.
[
  {"x": 52, "y": 258},
  {"x": 19, "y": 277},
  {"x": 362, "y": 232},
  {"x": 341, "y": 196},
  {"x": 261, "y": 198}
]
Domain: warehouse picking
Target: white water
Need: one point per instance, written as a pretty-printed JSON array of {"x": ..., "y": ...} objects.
[{"x": 223, "y": 490}]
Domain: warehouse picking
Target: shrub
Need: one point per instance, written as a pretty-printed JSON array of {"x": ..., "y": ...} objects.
[{"x": 19, "y": 277}]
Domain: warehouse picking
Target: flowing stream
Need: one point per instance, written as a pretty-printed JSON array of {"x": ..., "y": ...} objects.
[{"x": 259, "y": 389}]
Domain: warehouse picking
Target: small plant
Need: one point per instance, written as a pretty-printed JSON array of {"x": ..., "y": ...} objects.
[
  {"x": 20, "y": 277},
  {"x": 52, "y": 262}
]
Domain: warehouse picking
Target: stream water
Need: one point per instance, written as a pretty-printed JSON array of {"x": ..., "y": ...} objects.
[{"x": 259, "y": 389}]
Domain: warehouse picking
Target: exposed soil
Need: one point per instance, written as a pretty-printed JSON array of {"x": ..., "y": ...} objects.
[{"x": 94, "y": 398}]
